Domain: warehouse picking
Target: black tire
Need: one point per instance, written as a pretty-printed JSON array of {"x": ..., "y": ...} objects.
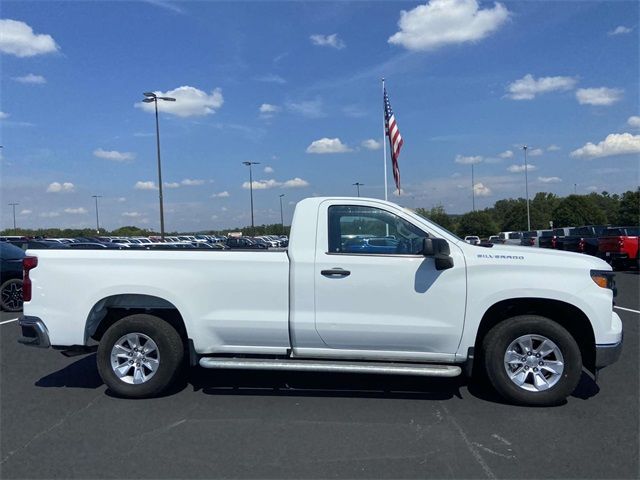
[
  {"x": 170, "y": 359},
  {"x": 500, "y": 337},
  {"x": 11, "y": 295}
]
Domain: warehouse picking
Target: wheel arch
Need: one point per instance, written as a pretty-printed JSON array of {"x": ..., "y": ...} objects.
[
  {"x": 109, "y": 310},
  {"x": 574, "y": 320}
]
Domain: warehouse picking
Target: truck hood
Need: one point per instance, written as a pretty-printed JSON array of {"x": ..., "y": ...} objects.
[{"x": 542, "y": 256}]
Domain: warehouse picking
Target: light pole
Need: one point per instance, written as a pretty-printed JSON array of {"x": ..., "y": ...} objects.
[
  {"x": 575, "y": 188},
  {"x": 358, "y": 185},
  {"x": 248, "y": 164},
  {"x": 152, "y": 97},
  {"x": 97, "y": 217},
  {"x": 473, "y": 190},
  {"x": 14, "y": 215},
  {"x": 526, "y": 185},
  {"x": 281, "y": 215}
]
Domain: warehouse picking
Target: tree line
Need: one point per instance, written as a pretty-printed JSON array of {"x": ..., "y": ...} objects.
[
  {"x": 545, "y": 209},
  {"x": 505, "y": 215}
]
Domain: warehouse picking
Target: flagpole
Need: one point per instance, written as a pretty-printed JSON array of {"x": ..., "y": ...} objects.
[{"x": 384, "y": 148}]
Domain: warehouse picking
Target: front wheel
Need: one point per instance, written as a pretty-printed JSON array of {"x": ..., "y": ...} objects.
[
  {"x": 140, "y": 356},
  {"x": 532, "y": 360},
  {"x": 11, "y": 295}
]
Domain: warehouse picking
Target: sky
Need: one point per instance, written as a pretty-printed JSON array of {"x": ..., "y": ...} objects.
[{"x": 296, "y": 86}]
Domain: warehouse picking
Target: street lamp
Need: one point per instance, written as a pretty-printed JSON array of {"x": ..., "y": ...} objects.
[
  {"x": 358, "y": 185},
  {"x": 526, "y": 185},
  {"x": 473, "y": 190},
  {"x": 14, "y": 215},
  {"x": 248, "y": 164},
  {"x": 152, "y": 97},
  {"x": 281, "y": 216},
  {"x": 97, "y": 217}
]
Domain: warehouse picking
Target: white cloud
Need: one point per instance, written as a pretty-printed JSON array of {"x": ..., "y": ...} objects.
[
  {"x": 445, "y": 22},
  {"x": 26, "y": 211},
  {"x": 113, "y": 155},
  {"x": 471, "y": 160},
  {"x": 31, "y": 79},
  {"x": 49, "y": 214},
  {"x": 224, "y": 194},
  {"x": 57, "y": 187},
  {"x": 481, "y": 190},
  {"x": 506, "y": 154},
  {"x": 327, "y": 41},
  {"x": 262, "y": 184},
  {"x": 190, "y": 102},
  {"x": 170, "y": 184},
  {"x": 634, "y": 121},
  {"x": 187, "y": 182},
  {"x": 592, "y": 188},
  {"x": 528, "y": 87},
  {"x": 550, "y": 179},
  {"x": 307, "y": 108},
  {"x": 131, "y": 214},
  {"x": 520, "y": 168},
  {"x": 602, "y": 96},
  {"x": 553, "y": 148},
  {"x": 536, "y": 152},
  {"x": 614, "y": 144},
  {"x": 620, "y": 30},
  {"x": 271, "y": 78},
  {"x": 371, "y": 144},
  {"x": 75, "y": 211},
  {"x": 295, "y": 183},
  {"x": 269, "y": 109},
  {"x": 268, "y": 169},
  {"x": 121, "y": 199},
  {"x": 17, "y": 38},
  {"x": 3, "y": 115},
  {"x": 327, "y": 145},
  {"x": 148, "y": 185}
]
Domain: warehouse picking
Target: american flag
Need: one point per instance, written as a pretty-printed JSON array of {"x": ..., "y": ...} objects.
[{"x": 395, "y": 139}]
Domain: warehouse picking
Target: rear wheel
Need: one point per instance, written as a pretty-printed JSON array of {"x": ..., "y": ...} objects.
[
  {"x": 140, "y": 356},
  {"x": 11, "y": 295},
  {"x": 532, "y": 360}
]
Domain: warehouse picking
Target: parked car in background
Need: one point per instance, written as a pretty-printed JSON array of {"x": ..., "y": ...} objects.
[
  {"x": 511, "y": 238},
  {"x": 495, "y": 239},
  {"x": 244, "y": 243},
  {"x": 11, "y": 277},
  {"x": 551, "y": 241},
  {"x": 532, "y": 237},
  {"x": 37, "y": 244},
  {"x": 583, "y": 239},
  {"x": 472, "y": 239},
  {"x": 619, "y": 247}
]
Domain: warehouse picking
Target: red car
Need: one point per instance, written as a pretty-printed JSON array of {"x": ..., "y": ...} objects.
[{"x": 619, "y": 246}]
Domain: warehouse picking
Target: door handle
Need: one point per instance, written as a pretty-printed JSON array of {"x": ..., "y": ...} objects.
[{"x": 336, "y": 272}]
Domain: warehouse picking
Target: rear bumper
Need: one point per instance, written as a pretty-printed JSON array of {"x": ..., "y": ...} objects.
[
  {"x": 608, "y": 354},
  {"x": 34, "y": 332}
]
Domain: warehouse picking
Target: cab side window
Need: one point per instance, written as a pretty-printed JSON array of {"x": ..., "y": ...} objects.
[{"x": 369, "y": 230}]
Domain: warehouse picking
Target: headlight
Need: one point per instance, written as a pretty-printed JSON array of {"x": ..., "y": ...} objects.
[{"x": 604, "y": 279}]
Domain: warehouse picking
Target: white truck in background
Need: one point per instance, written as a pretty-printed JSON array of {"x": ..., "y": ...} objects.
[{"x": 365, "y": 286}]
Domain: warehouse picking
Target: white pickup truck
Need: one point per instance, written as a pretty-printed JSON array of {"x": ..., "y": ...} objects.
[{"x": 365, "y": 286}]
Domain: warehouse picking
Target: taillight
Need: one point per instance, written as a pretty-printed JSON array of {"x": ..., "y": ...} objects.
[
  {"x": 581, "y": 246},
  {"x": 28, "y": 263},
  {"x": 620, "y": 243},
  {"x": 553, "y": 242},
  {"x": 532, "y": 241}
]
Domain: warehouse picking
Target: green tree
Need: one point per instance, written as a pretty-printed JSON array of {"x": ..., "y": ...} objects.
[
  {"x": 629, "y": 212},
  {"x": 437, "y": 215},
  {"x": 479, "y": 223},
  {"x": 576, "y": 210}
]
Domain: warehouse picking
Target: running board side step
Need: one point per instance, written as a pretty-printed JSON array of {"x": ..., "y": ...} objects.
[{"x": 426, "y": 370}]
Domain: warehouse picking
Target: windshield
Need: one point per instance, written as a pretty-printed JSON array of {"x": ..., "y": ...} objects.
[{"x": 412, "y": 212}]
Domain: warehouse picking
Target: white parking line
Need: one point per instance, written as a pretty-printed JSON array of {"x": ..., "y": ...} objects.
[
  {"x": 627, "y": 309},
  {"x": 9, "y": 321}
]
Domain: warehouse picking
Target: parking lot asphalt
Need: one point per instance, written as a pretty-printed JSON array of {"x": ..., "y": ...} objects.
[{"x": 58, "y": 420}]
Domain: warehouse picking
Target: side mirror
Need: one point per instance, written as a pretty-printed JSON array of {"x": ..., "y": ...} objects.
[{"x": 439, "y": 249}]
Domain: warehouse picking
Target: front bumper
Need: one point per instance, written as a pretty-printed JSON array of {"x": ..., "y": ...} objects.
[
  {"x": 607, "y": 354},
  {"x": 34, "y": 332}
]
